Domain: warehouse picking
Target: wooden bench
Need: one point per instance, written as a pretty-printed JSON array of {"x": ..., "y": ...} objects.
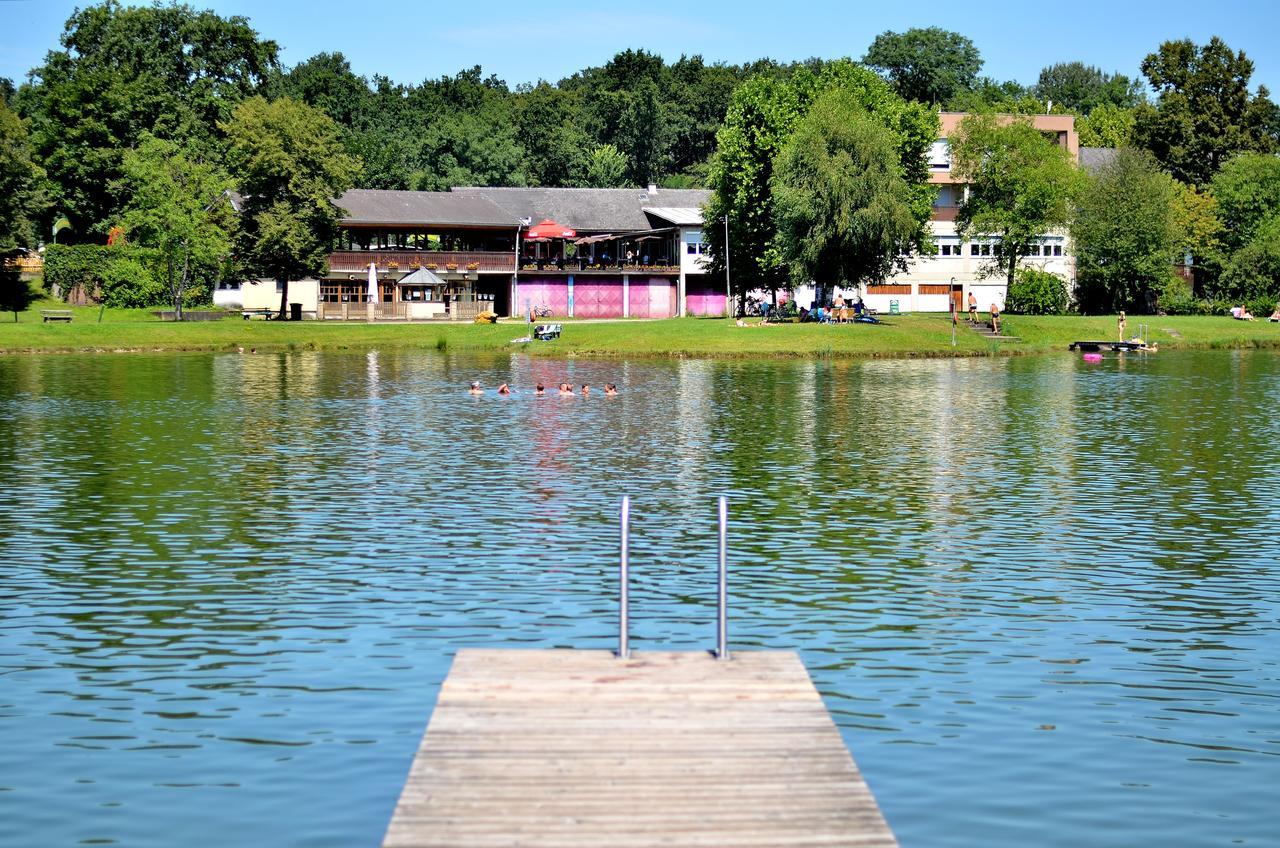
[
  {"x": 55, "y": 315},
  {"x": 263, "y": 313}
]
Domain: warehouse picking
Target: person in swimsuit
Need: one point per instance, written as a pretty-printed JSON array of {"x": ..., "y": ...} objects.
[
  {"x": 973, "y": 308},
  {"x": 565, "y": 390},
  {"x": 475, "y": 388},
  {"x": 610, "y": 390},
  {"x": 586, "y": 390},
  {"x": 995, "y": 318},
  {"x": 1120, "y": 323},
  {"x": 504, "y": 389},
  {"x": 539, "y": 389}
]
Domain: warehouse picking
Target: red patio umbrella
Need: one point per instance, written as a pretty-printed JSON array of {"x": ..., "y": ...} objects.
[{"x": 549, "y": 229}]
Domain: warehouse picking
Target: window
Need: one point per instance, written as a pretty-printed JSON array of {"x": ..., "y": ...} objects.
[
  {"x": 696, "y": 248},
  {"x": 940, "y": 155},
  {"x": 1057, "y": 250}
]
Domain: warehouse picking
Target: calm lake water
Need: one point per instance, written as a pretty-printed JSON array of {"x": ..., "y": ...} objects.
[{"x": 1041, "y": 597}]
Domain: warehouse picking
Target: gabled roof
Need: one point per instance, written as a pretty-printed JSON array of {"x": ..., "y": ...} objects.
[
  {"x": 1094, "y": 159},
  {"x": 378, "y": 206},
  {"x": 588, "y": 209},
  {"x": 680, "y": 216}
]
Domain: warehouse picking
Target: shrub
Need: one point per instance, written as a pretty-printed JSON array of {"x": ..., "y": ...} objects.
[
  {"x": 1036, "y": 292},
  {"x": 126, "y": 282},
  {"x": 91, "y": 268}
]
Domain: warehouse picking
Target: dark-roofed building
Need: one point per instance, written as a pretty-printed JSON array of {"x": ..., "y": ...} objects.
[
  {"x": 602, "y": 253},
  {"x": 1094, "y": 159}
]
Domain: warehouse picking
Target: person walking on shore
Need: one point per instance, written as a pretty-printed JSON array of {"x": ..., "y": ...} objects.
[
  {"x": 973, "y": 308},
  {"x": 995, "y": 319}
]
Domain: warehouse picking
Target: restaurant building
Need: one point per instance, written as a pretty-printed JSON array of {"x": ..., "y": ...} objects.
[{"x": 571, "y": 252}]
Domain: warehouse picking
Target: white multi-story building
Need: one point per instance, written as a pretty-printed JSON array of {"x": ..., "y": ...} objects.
[{"x": 932, "y": 283}]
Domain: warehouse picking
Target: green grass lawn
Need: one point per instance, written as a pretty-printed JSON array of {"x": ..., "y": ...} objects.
[{"x": 906, "y": 335}]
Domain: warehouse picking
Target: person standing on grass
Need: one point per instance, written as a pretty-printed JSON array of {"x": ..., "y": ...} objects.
[
  {"x": 973, "y": 308},
  {"x": 1120, "y": 323}
]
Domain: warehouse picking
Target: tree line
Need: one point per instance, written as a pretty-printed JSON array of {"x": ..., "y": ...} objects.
[{"x": 145, "y": 117}]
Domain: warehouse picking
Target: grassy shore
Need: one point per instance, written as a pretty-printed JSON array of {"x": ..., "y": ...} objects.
[{"x": 898, "y": 336}]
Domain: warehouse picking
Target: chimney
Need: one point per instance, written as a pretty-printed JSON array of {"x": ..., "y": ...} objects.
[{"x": 653, "y": 189}]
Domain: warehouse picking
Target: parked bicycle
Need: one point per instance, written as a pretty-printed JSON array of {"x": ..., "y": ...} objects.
[{"x": 540, "y": 311}]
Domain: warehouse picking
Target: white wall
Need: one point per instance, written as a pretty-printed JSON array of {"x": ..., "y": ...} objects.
[
  {"x": 262, "y": 294},
  {"x": 691, "y": 263}
]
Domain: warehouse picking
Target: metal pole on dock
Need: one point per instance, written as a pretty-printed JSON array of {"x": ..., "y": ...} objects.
[
  {"x": 722, "y": 618},
  {"x": 624, "y": 567}
]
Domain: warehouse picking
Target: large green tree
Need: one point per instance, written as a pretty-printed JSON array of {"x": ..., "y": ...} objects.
[
  {"x": 1081, "y": 88},
  {"x": 762, "y": 115},
  {"x": 931, "y": 65},
  {"x": 178, "y": 203},
  {"x": 168, "y": 70},
  {"x": 20, "y": 200},
  {"x": 1246, "y": 193},
  {"x": 841, "y": 201},
  {"x": 1021, "y": 185},
  {"x": 1125, "y": 233},
  {"x": 1203, "y": 113},
  {"x": 287, "y": 160},
  {"x": 1106, "y": 125},
  {"x": 20, "y": 206}
]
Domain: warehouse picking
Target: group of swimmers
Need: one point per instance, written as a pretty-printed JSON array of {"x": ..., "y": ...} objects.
[{"x": 565, "y": 389}]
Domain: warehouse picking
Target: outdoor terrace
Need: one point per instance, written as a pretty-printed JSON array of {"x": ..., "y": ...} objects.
[{"x": 485, "y": 261}]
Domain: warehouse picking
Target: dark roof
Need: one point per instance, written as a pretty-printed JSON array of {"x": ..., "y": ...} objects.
[
  {"x": 1094, "y": 159},
  {"x": 587, "y": 209},
  {"x": 376, "y": 206}
]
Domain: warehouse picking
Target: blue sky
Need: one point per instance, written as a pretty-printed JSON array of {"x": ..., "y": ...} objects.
[{"x": 523, "y": 42}]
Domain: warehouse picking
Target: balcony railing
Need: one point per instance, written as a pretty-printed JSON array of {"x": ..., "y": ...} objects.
[
  {"x": 407, "y": 260},
  {"x": 572, "y": 266}
]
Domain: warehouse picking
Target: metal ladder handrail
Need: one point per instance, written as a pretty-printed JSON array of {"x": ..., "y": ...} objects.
[{"x": 624, "y": 579}]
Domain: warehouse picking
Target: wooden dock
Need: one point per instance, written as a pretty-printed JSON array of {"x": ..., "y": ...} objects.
[{"x": 580, "y": 749}]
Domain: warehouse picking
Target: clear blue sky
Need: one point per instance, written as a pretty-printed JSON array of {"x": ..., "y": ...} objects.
[{"x": 525, "y": 41}]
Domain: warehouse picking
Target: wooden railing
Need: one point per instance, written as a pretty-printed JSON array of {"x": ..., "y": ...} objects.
[
  {"x": 406, "y": 260},
  {"x": 573, "y": 267}
]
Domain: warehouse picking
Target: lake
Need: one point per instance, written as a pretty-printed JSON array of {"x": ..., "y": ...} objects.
[{"x": 1041, "y": 597}]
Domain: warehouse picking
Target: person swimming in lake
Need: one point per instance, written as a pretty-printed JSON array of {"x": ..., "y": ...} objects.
[
  {"x": 586, "y": 390},
  {"x": 610, "y": 390},
  {"x": 504, "y": 389},
  {"x": 539, "y": 389},
  {"x": 475, "y": 388},
  {"x": 566, "y": 390}
]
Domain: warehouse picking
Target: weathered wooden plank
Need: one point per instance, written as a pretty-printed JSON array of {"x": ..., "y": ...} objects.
[{"x": 579, "y": 748}]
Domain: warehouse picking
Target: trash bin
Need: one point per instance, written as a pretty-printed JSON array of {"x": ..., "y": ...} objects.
[{"x": 295, "y": 312}]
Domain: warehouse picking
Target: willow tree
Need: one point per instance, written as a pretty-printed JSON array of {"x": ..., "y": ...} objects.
[
  {"x": 289, "y": 164},
  {"x": 841, "y": 200},
  {"x": 1021, "y": 185},
  {"x": 762, "y": 115}
]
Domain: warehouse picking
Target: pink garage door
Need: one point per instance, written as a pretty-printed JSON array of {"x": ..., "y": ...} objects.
[
  {"x": 549, "y": 292},
  {"x": 651, "y": 297},
  {"x": 703, "y": 298},
  {"x": 596, "y": 297}
]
